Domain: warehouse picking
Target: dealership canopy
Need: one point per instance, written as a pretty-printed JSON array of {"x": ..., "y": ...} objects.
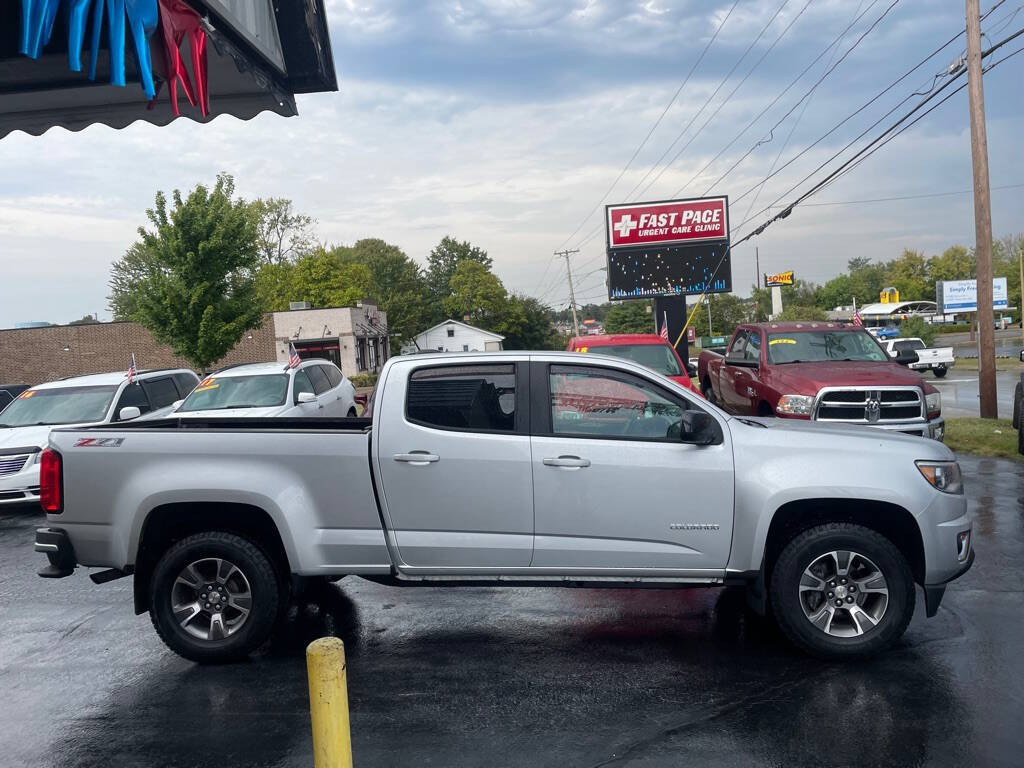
[{"x": 234, "y": 57}]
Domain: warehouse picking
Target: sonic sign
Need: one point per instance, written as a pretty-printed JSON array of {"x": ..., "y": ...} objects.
[{"x": 668, "y": 248}]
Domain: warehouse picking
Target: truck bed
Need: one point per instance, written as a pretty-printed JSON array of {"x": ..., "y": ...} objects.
[{"x": 241, "y": 423}]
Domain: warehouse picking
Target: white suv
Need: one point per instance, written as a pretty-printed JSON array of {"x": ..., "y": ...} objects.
[
  {"x": 102, "y": 398},
  {"x": 316, "y": 388}
]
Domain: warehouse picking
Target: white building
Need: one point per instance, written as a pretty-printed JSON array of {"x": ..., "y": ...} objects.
[
  {"x": 353, "y": 338},
  {"x": 453, "y": 336}
]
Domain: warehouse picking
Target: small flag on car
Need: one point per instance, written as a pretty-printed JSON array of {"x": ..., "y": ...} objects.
[
  {"x": 293, "y": 356},
  {"x": 664, "y": 326},
  {"x": 132, "y": 370}
]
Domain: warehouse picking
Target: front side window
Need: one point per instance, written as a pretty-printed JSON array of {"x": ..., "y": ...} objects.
[
  {"x": 66, "y": 405},
  {"x": 753, "y": 348},
  {"x": 470, "y": 397},
  {"x": 739, "y": 346},
  {"x": 302, "y": 384},
  {"x": 596, "y": 403},
  {"x": 657, "y": 357},
  {"x": 133, "y": 395},
  {"x": 823, "y": 346},
  {"x": 214, "y": 394}
]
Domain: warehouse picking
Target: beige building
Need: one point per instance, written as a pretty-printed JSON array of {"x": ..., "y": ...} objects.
[{"x": 353, "y": 338}]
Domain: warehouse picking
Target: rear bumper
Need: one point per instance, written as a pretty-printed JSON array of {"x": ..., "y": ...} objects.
[{"x": 55, "y": 544}]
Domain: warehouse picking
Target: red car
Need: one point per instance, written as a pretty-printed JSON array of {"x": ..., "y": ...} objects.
[{"x": 647, "y": 349}]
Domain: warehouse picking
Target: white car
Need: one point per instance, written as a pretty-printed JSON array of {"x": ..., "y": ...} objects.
[
  {"x": 102, "y": 398},
  {"x": 937, "y": 359},
  {"x": 316, "y": 388}
]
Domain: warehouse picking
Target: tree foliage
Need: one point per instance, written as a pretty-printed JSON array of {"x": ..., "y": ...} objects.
[
  {"x": 396, "y": 283},
  {"x": 282, "y": 234},
  {"x": 915, "y": 327},
  {"x": 536, "y": 331},
  {"x": 190, "y": 279},
  {"x": 630, "y": 317},
  {"x": 727, "y": 311},
  {"x": 444, "y": 260}
]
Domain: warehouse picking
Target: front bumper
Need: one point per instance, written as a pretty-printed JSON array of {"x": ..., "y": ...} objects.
[
  {"x": 21, "y": 486},
  {"x": 935, "y": 429}
]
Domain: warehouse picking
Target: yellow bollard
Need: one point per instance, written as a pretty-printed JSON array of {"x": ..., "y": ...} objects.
[{"x": 328, "y": 703}]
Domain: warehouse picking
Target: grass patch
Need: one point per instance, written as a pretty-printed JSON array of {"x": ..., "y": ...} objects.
[{"x": 983, "y": 437}]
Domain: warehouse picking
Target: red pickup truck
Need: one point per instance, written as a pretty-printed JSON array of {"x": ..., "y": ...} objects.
[{"x": 819, "y": 371}]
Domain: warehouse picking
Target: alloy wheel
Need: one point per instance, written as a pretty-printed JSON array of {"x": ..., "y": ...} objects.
[
  {"x": 843, "y": 593},
  {"x": 211, "y": 599}
]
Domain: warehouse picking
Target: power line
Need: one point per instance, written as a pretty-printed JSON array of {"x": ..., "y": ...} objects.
[
  {"x": 906, "y": 197},
  {"x": 657, "y": 122}
]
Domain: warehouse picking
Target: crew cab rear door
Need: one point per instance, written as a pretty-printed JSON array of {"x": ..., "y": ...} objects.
[
  {"x": 613, "y": 489},
  {"x": 453, "y": 458}
]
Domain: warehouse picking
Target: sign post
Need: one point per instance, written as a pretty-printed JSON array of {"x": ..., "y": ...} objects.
[{"x": 776, "y": 282}]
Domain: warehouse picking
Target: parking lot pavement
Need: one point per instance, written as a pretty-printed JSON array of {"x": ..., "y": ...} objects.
[
  {"x": 516, "y": 677},
  {"x": 960, "y": 391}
]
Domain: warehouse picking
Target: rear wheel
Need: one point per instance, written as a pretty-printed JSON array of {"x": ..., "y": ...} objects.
[
  {"x": 940, "y": 371},
  {"x": 708, "y": 392},
  {"x": 214, "y": 597},
  {"x": 842, "y": 590}
]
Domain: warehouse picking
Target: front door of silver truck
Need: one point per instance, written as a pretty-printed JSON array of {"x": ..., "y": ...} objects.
[
  {"x": 615, "y": 485},
  {"x": 453, "y": 452}
]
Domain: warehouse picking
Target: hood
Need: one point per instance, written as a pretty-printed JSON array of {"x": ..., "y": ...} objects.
[
  {"x": 230, "y": 413},
  {"x": 23, "y": 437},
  {"x": 808, "y": 378}
]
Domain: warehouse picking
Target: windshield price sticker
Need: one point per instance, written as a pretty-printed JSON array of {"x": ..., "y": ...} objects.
[
  {"x": 207, "y": 384},
  {"x": 773, "y": 342},
  {"x": 26, "y": 394}
]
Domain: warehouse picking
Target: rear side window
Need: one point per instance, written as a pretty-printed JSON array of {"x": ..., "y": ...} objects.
[
  {"x": 135, "y": 395},
  {"x": 333, "y": 375},
  {"x": 319, "y": 378},
  {"x": 470, "y": 397},
  {"x": 161, "y": 392},
  {"x": 739, "y": 346}
]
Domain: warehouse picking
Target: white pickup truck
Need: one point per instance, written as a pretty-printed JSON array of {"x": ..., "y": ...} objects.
[
  {"x": 528, "y": 468},
  {"x": 938, "y": 359}
]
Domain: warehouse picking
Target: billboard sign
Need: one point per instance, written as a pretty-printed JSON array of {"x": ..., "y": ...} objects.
[
  {"x": 779, "y": 280},
  {"x": 667, "y": 223},
  {"x": 668, "y": 248},
  {"x": 952, "y": 296}
]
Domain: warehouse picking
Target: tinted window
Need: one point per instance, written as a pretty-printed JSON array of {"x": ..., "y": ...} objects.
[
  {"x": 594, "y": 403},
  {"x": 464, "y": 397},
  {"x": 739, "y": 345},
  {"x": 753, "y": 349},
  {"x": 135, "y": 395},
  {"x": 319, "y": 378},
  {"x": 186, "y": 383},
  {"x": 333, "y": 375},
  {"x": 302, "y": 384},
  {"x": 657, "y": 357},
  {"x": 911, "y": 344},
  {"x": 5, "y": 398},
  {"x": 161, "y": 391}
]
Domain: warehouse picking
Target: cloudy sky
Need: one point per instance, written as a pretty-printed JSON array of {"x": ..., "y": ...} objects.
[{"x": 506, "y": 121}]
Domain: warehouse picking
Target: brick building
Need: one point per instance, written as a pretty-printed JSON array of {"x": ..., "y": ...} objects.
[{"x": 354, "y": 337}]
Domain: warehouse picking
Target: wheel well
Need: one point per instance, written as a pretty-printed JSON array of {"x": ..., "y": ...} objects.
[
  {"x": 890, "y": 520},
  {"x": 170, "y": 523}
]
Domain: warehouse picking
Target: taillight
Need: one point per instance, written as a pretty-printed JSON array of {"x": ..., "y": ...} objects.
[{"x": 51, "y": 482}]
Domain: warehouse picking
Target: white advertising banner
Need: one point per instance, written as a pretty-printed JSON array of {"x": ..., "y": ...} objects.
[{"x": 962, "y": 295}]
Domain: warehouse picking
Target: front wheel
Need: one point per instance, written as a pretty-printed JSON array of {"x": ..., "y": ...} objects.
[
  {"x": 214, "y": 597},
  {"x": 842, "y": 590},
  {"x": 940, "y": 371}
]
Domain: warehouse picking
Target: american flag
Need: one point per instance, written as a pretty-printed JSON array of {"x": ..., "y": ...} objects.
[
  {"x": 857, "y": 321},
  {"x": 293, "y": 356},
  {"x": 664, "y": 326},
  {"x": 132, "y": 370}
]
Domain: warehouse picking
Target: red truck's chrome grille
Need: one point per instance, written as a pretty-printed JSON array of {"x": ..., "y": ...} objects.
[
  {"x": 869, "y": 405},
  {"x": 11, "y": 464}
]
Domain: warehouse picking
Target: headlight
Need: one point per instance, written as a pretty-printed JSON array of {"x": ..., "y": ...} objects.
[
  {"x": 943, "y": 475},
  {"x": 796, "y": 405},
  {"x": 934, "y": 402}
]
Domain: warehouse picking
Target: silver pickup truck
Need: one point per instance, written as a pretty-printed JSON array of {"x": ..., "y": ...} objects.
[{"x": 543, "y": 469}]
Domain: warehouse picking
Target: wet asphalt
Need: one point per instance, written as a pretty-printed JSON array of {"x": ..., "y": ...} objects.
[{"x": 523, "y": 677}]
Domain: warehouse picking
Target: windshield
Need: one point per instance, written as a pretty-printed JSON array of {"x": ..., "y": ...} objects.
[
  {"x": 654, "y": 356},
  {"x": 823, "y": 346},
  {"x": 215, "y": 394},
  {"x": 66, "y": 405}
]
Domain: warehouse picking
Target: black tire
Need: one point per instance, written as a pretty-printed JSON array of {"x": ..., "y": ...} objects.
[
  {"x": 940, "y": 371},
  {"x": 708, "y": 392},
  {"x": 1018, "y": 404},
  {"x": 1020, "y": 439},
  {"x": 351, "y": 413},
  {"x": 263, "y": 584},
  {"x": 807, "y": 547}
]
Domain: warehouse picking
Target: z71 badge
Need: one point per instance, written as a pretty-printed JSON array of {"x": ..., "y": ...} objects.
[{"x": 99, "y": 442}]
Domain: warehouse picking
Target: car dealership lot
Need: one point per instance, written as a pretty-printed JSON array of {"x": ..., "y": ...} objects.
[{"x": 522, "y": 677}]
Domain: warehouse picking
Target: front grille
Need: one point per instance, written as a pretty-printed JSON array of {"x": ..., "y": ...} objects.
[
  {"x": 869, "y": 406},
  {"x": 11, "y": 464}
]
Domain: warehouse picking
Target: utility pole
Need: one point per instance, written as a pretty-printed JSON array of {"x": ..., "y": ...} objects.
[
  {"x": 572, "y": 295},
  {"x": 757, "y": 262},
  {"x": 1020, "y": 262},
  {"x": 982, "y": 216},
  {"x": 710, "y": 332}
]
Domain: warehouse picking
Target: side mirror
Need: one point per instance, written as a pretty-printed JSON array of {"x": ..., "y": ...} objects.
[
  {"x": 128, "y": 413},
  {"x": 698, "y": 428},
  {"x": 906, "y": 357},
  {"x": 305, "y": 397},
  {"x": 691, "y": 370}
]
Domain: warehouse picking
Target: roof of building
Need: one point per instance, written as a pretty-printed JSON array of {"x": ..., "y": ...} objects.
[
  {"x": 495, "y": 336},
  {"x": 898, "y": 308}
]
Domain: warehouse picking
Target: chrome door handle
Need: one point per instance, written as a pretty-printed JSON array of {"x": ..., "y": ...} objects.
[
  {"x": 573, "y": 462},
  {"x": 417, "y": 457}
]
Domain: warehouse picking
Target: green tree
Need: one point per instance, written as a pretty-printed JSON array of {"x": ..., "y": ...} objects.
[
  {"x": 190, "y": 279},
  {"x": 915, "y": 327},
  {"x": 909, "y": 274},
  {"x": 630, "y": 317},
  {"x": 274, "y": 286},
  {"x": 727, "y": 311},
  {"x": 476, "y": 293},
  {"x": 797, "y": 313},
  {"x": 324, "y": 280},
  {"x": 955, "y": 263},
  {"x": 397, "y": 284},
  {"x": 87, "y": 320},
  {"x": 283, "y": 235},
  {"x": 537, "y": 330},
  {"x": 801, "y": 294},
  {"x": 444, "y": 260}
]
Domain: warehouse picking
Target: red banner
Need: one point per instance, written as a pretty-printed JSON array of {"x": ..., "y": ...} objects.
[{"x": 675, "y": 221}]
